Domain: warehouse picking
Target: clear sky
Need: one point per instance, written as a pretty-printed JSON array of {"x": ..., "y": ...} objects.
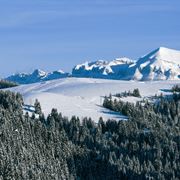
[{"x": 57, "y": 34}]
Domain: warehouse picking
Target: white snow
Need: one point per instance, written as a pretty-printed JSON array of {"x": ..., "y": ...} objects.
[
  {"x": 137, "y": 75},
  {"x": 84, "y": 97},
  {"x": 144, "y": 64},
  {"x": 169, "y": 55},
  {"x": 160, "y": 64}
]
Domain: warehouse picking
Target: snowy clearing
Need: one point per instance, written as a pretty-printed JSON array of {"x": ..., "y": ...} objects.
[{"x": 83, "y": 97}]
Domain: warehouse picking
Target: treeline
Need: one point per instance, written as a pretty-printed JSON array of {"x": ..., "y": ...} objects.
[
  {"x": 6, "y": 84},
  {"x": 160, "y": 123},
  {"x": 134, "y": 93},
  {"x": 176, "y": 88},
  {"x": 147, "y": 146}
]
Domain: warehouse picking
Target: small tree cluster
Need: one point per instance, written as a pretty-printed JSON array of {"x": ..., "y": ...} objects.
[
  {"x": 6, "y": 84},
  {"x": 135, "y": 93},
  {"x": 176, "y": 88}
]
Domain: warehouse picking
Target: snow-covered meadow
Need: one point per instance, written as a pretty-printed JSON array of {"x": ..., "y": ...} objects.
[{"x": 83, "y": 97}]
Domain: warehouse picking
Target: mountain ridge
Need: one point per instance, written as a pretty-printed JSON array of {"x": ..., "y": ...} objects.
[
  {"x": 36, "y": 76},
  {"x": 160, "y": 64}
]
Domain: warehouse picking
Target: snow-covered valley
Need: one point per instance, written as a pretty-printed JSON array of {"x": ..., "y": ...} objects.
[{"x": 83, "y": 97}]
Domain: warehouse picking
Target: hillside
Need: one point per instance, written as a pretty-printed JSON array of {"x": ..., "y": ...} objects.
[{"x": 84, "y": 96}]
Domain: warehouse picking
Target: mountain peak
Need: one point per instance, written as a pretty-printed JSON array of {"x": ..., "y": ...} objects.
[
  {"x": 39, "y": 72},
  {"x": 166, "y": 50},
  {"x": 163, "y": 48},
  {"x": 161, "y": 64},
  {"x": 163, "y": 53},
  {"x": 60, "y": 71}
]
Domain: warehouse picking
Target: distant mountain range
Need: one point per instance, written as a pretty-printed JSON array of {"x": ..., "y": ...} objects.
[
  {"x": 36, "y": 76},
  {"x": 116, "y": 69},
  {"x": 160, "y": 64}
]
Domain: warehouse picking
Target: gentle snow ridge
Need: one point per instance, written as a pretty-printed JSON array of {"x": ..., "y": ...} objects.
[{"x": 84, "y": 97}]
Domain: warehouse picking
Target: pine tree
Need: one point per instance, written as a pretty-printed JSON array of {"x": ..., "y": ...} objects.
[
  {"x": 136, "y": 93},
  {"x": 37, "y": 107}
]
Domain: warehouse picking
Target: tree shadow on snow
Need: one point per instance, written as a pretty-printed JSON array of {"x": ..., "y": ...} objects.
[
  {"x": 165, "y": 90},
  {"x": 114, "y": 114}
]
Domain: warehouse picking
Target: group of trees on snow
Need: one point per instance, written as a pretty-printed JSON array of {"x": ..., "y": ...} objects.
[
  {"x": 135, "y": 93},
  {"x": 176, "y": 88},
  {"x": 146, "y": 146},
  {"x": 6, "y": 84}
]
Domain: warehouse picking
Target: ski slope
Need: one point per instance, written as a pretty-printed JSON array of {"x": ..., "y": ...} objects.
[{"x": 83, "y": 97}]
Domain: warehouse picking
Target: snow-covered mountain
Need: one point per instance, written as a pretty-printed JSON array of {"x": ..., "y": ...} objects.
[
  {"x": 36, "y": 76},
  {"x": 160, "y": 64},
  {"x": 116, "y": 69}
]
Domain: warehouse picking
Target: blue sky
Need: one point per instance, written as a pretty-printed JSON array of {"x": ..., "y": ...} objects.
[{"x": 57, "y": 34}]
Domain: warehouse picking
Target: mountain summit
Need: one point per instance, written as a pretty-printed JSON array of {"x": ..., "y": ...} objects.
[{"x": 160, "y": 64}]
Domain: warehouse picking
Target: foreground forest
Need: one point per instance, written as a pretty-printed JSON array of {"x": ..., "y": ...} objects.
[{"x": 146, "y": 146}]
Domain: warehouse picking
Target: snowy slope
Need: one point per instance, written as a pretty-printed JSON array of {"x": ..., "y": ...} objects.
[
  {"x": 36, "y": 76},
  {"x": 84, "y": 96},
  {"x": 160, "y": 64}
]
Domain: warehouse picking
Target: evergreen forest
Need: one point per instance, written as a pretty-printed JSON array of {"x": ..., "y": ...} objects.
[{"x": 146, "y": 146}]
